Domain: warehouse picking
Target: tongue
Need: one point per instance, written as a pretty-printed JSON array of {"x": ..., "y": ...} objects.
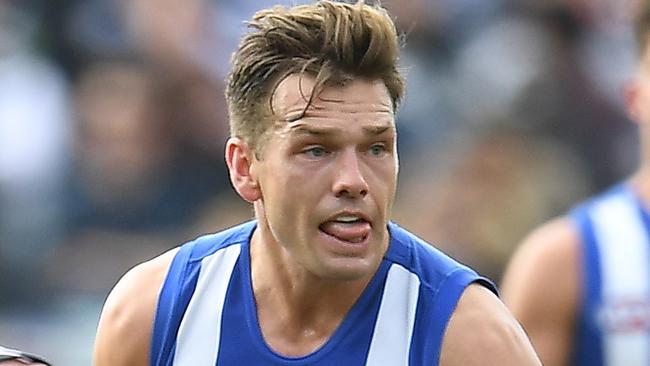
[{"x": 352, "y": 232}]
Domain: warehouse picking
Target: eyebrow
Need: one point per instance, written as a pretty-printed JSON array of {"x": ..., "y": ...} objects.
[{"x": 306, "y": 129}]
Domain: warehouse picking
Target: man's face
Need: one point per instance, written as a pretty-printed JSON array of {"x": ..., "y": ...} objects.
[{"x": 328, "y": 179}]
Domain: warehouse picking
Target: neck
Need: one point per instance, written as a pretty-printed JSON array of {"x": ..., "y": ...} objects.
[
  {"x": 640, "y": 183},
  {"x": 297, "y": 310}
]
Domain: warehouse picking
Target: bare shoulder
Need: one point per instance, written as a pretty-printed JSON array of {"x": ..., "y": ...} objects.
[
  {"x": 546, "y": 263},
  {"x": 548, "y": 256},
  {"x": 482, "y": 332},
  {"x": 541, "y": 286},
  {"x": 125, "y": 326}
]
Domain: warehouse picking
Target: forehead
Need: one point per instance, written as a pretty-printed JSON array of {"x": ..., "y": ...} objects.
[{"x": 359, "y": 97}]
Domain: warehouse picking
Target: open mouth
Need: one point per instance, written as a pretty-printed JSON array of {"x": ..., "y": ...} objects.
[{"x": 347, "y": 228}]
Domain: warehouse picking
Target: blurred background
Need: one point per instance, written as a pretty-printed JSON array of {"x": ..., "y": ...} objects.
[{"x": 113, "y": 125}]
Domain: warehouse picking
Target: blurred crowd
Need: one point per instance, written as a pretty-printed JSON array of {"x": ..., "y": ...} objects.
[{"x": 113, "y": 124}]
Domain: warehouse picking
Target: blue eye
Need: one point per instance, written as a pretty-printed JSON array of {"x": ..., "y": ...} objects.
[
  {"x": 316, "y": 152},
  {"x": 377, "y": 150}
]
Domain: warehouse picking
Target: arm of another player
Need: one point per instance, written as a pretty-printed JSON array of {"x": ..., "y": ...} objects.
[
  {"x": 482, "y": 332},
  {"x": 541, "y": 288},
  {"x": 125, "y": 326}
]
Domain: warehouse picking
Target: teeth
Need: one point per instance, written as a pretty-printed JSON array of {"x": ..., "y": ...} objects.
[{"x": 347, "y": 218}]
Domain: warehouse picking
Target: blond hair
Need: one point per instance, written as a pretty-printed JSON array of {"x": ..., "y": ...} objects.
[{"x": 330, "y": 41}]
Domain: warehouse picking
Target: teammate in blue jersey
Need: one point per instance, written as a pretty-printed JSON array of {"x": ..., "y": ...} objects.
[
  {"x": 580, "y": 284},
  {"x": 321, "y": 276}
]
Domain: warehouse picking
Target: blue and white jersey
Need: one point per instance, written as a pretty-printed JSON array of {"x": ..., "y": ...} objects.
[
  {"x": 206, "y": 313},
  {"x": 613, "y": 324}
]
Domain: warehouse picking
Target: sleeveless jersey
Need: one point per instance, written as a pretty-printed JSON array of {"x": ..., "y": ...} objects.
[
  {"x": 206, "y": 313},
  {"x": 613, "y": 324}
]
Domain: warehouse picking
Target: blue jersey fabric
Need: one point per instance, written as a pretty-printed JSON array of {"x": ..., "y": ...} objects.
[
  {"x": 434, "y": 283},
  {"x": 613, "y": 320}
]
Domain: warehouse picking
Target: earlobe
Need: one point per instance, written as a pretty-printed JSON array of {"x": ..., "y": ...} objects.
[
  {"x": 240, "y": 160},
  {"x": 632, "y": 102}
]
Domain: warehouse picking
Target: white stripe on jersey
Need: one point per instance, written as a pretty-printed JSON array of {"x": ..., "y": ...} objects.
[
  {"x": 624, "y": 256},
  {"x": 391, "y": 340},
  {"x": 196, "y": 343}
]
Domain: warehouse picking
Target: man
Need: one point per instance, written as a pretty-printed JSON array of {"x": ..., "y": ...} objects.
[
  {"x": 321, "y": 277},
  {"x": 580, "y": 284}
]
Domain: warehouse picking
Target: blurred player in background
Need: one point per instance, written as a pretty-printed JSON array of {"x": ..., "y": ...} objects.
[
  {"x": 580, "y": 284},
  {"x": 14, "y": 357}
]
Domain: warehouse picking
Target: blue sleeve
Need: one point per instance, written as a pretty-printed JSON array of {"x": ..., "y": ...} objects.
[{"x": 435, "y": 311}]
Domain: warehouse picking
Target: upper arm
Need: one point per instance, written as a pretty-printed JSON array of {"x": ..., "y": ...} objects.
[
  {"x": 482, "y": 332},
  {"x": 541, "y": 288},
  {"x": 126, "y": 323}
]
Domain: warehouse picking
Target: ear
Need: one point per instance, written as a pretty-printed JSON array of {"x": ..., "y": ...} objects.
[
  {"x": 633, "y": 101},
  {"x": 240, "y": 160}
]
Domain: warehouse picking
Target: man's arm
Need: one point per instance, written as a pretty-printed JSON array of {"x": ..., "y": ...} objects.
[
  {"x": 125, "y": 327},
  {"x": 482, "y": 332},
  {"x": 541, "y": 288}
]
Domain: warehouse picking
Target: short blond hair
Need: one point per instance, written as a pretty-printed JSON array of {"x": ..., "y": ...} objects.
[{"x": 330, "y": 41}]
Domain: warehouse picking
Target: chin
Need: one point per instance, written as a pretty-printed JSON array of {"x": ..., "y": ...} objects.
[{"x": 349, "y": 270}]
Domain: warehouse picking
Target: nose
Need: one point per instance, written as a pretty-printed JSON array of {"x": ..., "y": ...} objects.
[{"x": 350, "y": 181}]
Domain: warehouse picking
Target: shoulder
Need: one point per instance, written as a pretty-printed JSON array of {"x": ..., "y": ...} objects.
[
  {"x": 419, "y": 256},
  {"x": 482, "y": 332},
  {"x": 542, "y": 287},
  {"x": 208, "y": 244},
  {"x": 547, "y": 262},
  {"x": 124, "y": 334},
  {"x": 554, "y": 245},
  {"x": 438, "y": 273},
  {"x": 125, "y": 326}
]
